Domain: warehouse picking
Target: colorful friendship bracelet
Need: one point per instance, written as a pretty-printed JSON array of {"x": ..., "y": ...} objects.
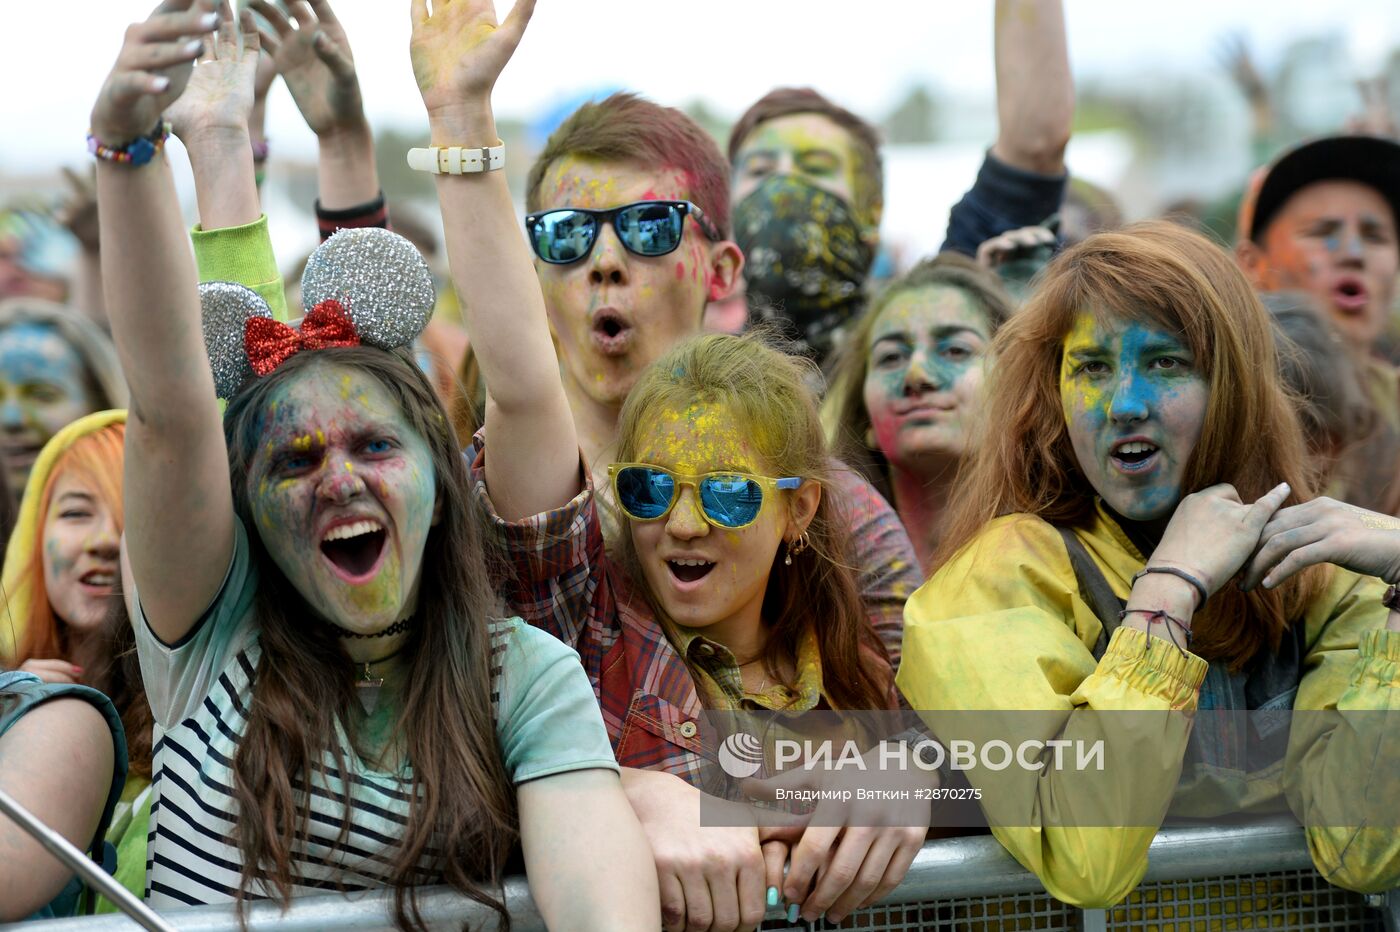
[
  {"x": 260, "y": 150},
  {"x": 137, "y": 152}
]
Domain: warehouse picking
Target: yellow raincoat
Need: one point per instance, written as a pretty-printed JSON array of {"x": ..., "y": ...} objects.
[{"x": 1002, "y": 626}]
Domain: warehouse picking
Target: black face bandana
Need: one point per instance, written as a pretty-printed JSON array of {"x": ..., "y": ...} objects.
[{"x": 805, "y": 262}]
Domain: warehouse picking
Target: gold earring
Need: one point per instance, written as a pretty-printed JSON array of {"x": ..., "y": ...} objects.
[{"x": 796, "y": 547}]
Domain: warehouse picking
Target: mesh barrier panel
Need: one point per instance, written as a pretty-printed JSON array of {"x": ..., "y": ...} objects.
[
  {"x": 1283, "y": 900},
  {"x": 1293, "y": 900}
]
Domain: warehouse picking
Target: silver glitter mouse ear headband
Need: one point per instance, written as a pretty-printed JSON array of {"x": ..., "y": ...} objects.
[{"x": 364, "y": 286}]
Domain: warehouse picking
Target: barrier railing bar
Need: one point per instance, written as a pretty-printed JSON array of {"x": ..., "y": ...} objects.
[{"x": 944, "y": 869}]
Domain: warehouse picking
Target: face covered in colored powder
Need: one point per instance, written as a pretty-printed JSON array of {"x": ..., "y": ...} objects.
[
  {"x": 343, "y": 494},
  {"x": 43, "y": 387},
  {"x": 1337, "y": 241},
  {"x": 923, "y": 376},
  {"x": 81, "y": 540},
  {"x": 1135, "y": 403},
  {"x": 808, "y": 146},
  {"x": 614, "y": 312},
  {"x": 706, "y": 576}
]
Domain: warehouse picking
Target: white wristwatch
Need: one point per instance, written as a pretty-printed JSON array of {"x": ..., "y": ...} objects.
[{"x": 457, "y": 160}]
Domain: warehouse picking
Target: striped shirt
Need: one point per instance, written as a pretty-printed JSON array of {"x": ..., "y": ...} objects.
[{"x": 201, "y": 689}]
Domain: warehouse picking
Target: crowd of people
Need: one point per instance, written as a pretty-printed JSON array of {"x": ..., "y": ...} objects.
[{"x": 279, "y": 620}]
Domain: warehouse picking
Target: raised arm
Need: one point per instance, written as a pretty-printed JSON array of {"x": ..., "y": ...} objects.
[
  {"x": 211, "y": 119},
  {"x": 1035, "y": 93},
  {"x": 313, "y": 56},
  {"x": 532, "y": 466},
  {"x": 179, "y": 507}
]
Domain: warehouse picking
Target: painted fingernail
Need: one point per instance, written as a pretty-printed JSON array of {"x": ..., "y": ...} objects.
[
  {"x": 194, "y": 45},
  {"x": 209, "y": 20},
  {"x": 772, "y": 896},
  {"x": 792, "y": 913},
  {"x": 159, "y": 83}
]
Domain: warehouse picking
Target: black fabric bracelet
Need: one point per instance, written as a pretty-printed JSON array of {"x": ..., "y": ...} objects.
[
  {"x": 350, "y": 213},
  {"x": 1200, "y": 587}
]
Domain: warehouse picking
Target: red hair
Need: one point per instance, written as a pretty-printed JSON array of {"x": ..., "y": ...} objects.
[
  {"x": 628, "y": 128},
  {"x": 97, "y": 458}
]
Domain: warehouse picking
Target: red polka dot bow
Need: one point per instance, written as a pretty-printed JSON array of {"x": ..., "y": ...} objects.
[{"x": 269, "y": 343}]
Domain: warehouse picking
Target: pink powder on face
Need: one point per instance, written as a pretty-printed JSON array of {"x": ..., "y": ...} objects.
[{"x": 680, "y": 271}]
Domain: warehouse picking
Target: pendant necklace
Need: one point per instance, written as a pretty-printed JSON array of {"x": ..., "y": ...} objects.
[{"x": 367, "y": 685}]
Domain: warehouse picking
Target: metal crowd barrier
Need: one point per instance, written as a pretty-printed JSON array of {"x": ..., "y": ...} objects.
[{"x": 1198, "y": 880}]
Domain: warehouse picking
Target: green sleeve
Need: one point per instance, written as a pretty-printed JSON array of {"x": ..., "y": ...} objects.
[
  {"x": 127, "y": 834},
  {"x": 243, "y": 255}
]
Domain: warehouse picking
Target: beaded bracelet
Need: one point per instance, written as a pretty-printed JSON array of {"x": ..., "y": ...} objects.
[
  {"x": 137, "y": 152},
  {"x": 260, "y": 150}
]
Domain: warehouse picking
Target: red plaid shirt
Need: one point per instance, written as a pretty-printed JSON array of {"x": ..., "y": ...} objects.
[{"x": 561, "y": 579}]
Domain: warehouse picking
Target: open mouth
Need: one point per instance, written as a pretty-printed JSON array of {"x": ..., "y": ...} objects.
[
  {"x": 1350, "y": 295},
  {"x": 611, "y": 333},
  {"x": 99, "y": 579},
  {"x": 355, "y": 550},
  {"x": 689, "y": 571},
  {"x": 1134, "y": 455}
]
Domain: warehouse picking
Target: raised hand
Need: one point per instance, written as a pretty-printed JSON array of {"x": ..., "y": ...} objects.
[
  {"x": 312, "y": 53},
  {"x": 221, "y": 90},
  {"x": 151, "y": 70},
  {"x": 1325, "y": 531},
  {"x": 1212, "y": 533},
  {"x": 78, "y": 212},
  {"x": 459, "y": 50}
]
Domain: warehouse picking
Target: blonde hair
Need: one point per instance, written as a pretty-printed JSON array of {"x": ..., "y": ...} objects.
[{"x": 766, "y": 391}]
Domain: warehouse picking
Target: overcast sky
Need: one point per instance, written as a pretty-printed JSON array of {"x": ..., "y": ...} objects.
[{"x": 729, "y": 52}]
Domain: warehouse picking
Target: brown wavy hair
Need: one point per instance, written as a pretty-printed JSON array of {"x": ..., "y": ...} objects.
[
  {"x": 1171, "y": 278},
  {"x": 844, "y": 413},
  {"x": 462, "y": 810},
  {"x": 765, "y": 389}
]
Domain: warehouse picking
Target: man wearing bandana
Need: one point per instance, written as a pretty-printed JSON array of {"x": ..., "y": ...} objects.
[
  {"x": 808, "y": 194},
  {"x": 808, "y": 181}
]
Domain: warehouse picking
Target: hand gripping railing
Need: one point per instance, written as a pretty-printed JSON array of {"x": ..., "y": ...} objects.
[{"x": 944, "y": 870}]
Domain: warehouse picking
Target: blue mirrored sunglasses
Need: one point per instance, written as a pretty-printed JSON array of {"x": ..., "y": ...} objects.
[
  {"x": 727, "y": 499},
  {"x": 647, "y": 228}
]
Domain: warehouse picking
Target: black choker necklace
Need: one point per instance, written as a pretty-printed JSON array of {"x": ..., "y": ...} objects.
[{"x": 397, "y": 627}]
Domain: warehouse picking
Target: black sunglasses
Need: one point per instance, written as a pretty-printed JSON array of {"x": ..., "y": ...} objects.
[{"x": 646, "y": 228}]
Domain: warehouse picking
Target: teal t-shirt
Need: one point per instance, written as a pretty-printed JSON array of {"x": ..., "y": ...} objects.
[
  {"x": 547, "y": 722},
  {"x": 21, "y": 693}
]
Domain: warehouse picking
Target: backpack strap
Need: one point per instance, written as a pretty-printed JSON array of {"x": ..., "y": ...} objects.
[{"x": 1093, "y": 589}]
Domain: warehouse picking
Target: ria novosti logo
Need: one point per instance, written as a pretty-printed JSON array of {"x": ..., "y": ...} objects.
[{"x": 740, "y": 755}]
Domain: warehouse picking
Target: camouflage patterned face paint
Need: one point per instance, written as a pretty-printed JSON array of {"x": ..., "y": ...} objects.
[{"x": 1135, "y": 403}]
